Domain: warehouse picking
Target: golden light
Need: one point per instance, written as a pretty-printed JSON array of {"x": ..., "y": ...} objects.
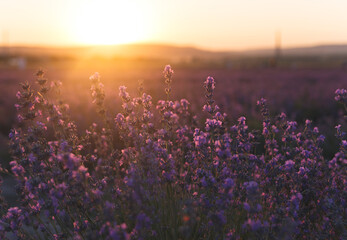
[{"x": 109, "y": 22}]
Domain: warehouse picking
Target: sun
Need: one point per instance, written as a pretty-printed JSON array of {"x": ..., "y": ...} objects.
[{"x": 107, "y": 22}]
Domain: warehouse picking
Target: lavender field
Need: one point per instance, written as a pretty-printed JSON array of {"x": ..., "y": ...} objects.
[
  {"x": 173, "y": 120},
  {"x": 181, "y": 154},
  {"x": 303, "y": 93}
]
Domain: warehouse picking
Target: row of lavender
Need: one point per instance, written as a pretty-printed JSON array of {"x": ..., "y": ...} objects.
[{"x": 154, "y": 174}]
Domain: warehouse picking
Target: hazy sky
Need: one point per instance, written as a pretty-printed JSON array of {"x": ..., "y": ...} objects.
[{"x": 215, "y": 24}]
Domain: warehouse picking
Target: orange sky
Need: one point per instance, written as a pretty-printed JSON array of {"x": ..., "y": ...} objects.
[{"x": 217, "y": 24}]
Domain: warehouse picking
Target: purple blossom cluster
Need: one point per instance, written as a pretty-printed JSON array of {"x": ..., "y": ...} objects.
[{"x": 151, "y": 172}]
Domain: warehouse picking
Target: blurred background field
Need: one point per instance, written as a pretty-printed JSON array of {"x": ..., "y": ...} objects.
[{"x": 300, "y": 82}]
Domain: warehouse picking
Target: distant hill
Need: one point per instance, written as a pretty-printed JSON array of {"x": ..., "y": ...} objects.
[
  {"x": 162, "y": 51},
  {"x": 154, "y": 51},
  {"x": 319, "y": 50}
]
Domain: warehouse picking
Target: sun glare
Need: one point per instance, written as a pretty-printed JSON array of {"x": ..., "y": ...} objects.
[{"x": 109, "y": 22}]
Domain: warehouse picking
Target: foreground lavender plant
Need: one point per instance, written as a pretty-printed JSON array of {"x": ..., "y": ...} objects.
[{"x": 167, "y": 178}]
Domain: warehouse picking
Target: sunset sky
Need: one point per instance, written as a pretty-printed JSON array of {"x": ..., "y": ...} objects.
[{"x": 215, "y": 24}]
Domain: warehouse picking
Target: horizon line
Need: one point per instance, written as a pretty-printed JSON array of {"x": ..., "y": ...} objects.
[{"x": 168, "y": 44}]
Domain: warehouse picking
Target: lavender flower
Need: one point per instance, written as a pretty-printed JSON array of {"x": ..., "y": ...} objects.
[{"x": 161, "y": 173}]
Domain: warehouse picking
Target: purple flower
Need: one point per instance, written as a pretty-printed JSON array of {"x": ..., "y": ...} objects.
[
  {"x": 242, "y": 120},
  {"x": 213, "y": 123},
  {"x": 321, "y": 139},
  {"x": 184, "y": 104},
  {"x": 295, "y": 200},
  {"x": 210, "y": 84},
  {"x": 341, "y": 95},
  {"x": 246, "y": 206},
  {"x": 71, "y": 161},
  {"x": 251, "y": 186},
  {"x": 291, "y": 126},
  {"x": 17, "y": 169},
  {"x": 289, "y": 164},
  {"x": 123, "y": 94},
  {"x": 200, "y": 138},
  {"x": 302, "y": 171},
  {"x": 94, "y": 77},
  {"x": 143, "y": 222},
  {"x": 218, "y": 219},
  {"x": 168, "y": 72},
  {"x": 344, "y": 144},
  {"x": 14, "y": 218},
  {"x": 19, "y": 95},
  {"x": 261, "y": 102},
  {"x": 228, "y": 183},
  {"x": 254, "y": 225}
]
